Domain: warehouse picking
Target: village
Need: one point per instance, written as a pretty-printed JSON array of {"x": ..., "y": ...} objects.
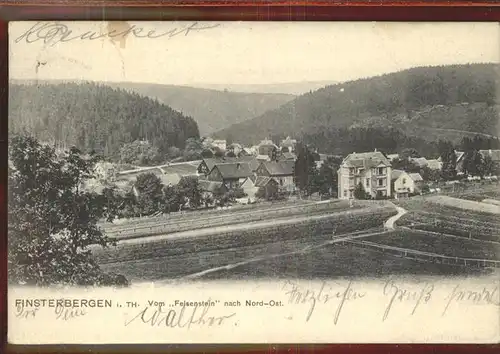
[{"x": 233, "y": 174}]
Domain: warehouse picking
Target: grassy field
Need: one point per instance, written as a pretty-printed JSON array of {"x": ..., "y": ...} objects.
[
  {"x": 295, "y": 258},
  {"x": 448, "y": 246},
  {"x": 167, "y": 258},
  {"x": 303, "y": 248},
  {"x": 192, "y": 221},
  {"x": 426, "y": 215}
]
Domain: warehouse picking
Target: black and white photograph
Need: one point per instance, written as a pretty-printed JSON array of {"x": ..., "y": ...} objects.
[{"x": 308, "y": 176}]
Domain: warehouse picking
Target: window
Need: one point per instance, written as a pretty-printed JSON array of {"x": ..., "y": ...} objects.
[
  {"x": 381, "y": 170},
  {"x": 380, "y": 182},
  {"x": 368, "y": 182},
  {"x": 345, "y": 193},
  {"x": 404, "y": 180}
]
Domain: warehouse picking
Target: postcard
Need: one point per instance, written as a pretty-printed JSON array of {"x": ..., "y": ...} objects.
[{"x": 256, "y": 182}]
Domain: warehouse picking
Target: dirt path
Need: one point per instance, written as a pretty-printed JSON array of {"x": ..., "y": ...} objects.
[{"x": 389, "y": 224}]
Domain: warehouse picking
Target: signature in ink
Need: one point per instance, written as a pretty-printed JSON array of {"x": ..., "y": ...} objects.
[{"x": 52, "y": 33}]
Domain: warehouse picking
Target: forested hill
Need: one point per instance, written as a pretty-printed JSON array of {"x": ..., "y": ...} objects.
[
  {"x": 415, "y": 101},
  {"x": 212, "y": 109},
  {"x": 95, "y": 117}
]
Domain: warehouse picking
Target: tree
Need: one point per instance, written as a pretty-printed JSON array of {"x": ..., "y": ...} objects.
[
  {"x": 172, "y": 199},
  {"x": 305, "y": 170},
  {"x": 472, "y": 164},
  {"x": 52, "y": 221},
  {"x": 207, "y": 154},
  {"x": 408, "y": 153},
  {"x": 430, "y": 175},
  {"x": 149, "y": 189},
  {"x": 139, "y": 153},
  {"x": 327, "y": 178},
  {"x": 190, "y": 191},
  {"x": 488, "y": 167},
  {"x": 268, "y": 192},
  {"x": 448, "y": 159},
  {"x": 359, "y": 192},
  {"x": 193, "y": 150},
  {"x": 218, "y": 153},
  {"x": 173, "y": 152}
]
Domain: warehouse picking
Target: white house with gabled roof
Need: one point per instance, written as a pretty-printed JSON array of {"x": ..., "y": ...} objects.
[{"x": 371, "y": 169}]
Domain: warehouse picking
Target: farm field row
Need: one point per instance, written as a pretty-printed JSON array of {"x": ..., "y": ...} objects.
[
  {"x": 447, "y": 246},
  {"x": 424, "y": 205},
  {"x": 178, "y": 225},
  {"x": 209, "y": 212},
  {"x": 309, "y": 230}
]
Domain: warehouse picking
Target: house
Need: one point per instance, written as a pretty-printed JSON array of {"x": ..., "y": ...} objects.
[
  {"x": 371, "y": 169},
  {"x": 419, "y": 161},
  {"x": 249, "y": 187},
  {"x": 281, "y": 171},
  {"x": 267, "y": 183},
  {"x": 220, "y": 144},
  {"x": 404, "y": 184},
  {"x": 105, "y": 171},
  {"x": 231, "y": 174},
  {"x": 434, "y": 164},
  {"x": 288, "y": 143},
  {"x": 235, "y": 148},
  {"x": 393, "y": 157},
  {"x": 171, "y": 179},
  {"x": 206, "y": 165},
  {"x": 266, "y": 147}
]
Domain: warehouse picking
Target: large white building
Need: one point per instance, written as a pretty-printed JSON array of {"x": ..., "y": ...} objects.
[{"x": 371, "y": 169}]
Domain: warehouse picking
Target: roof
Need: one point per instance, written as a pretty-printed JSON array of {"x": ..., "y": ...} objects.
[
  {"x": 434, "y": 164},
  {"x": 494, "y": 154},
  {"x": 280, "y": 168},
  {"x": 170, "y": 179},
  {"x": 288, "y": 141},
  {"x": 263, "y": 157},
  {"x": 289, "y": 156},
  {"x": 209, "y": 186},
  {"x": 396, "y": 173},
  {"x": 235, "y": 170},
  {"x": 416, "y": 177},
  {"x": 224, "y": 160},
  {"x": 393, "y": 156},
  {"x": 262, "y": 181},
  {"x": 420, "y": 161},
  {"x": 366, "y": 159},
  {"x": 183, "y": 169}
]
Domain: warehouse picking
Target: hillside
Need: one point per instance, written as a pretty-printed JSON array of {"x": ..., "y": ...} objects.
[
  {"x": 292, "y": 88},
  {"x": 425, "y": 102},
  {"x": 95, "y": 117},
  {"x": 212, "y": 109}
]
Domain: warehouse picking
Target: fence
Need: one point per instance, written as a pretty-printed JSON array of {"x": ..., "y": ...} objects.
[{"x": 425, "y": 256}]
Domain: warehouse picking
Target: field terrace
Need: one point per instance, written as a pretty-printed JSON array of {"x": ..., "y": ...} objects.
[{"x": 178, "y": 254}]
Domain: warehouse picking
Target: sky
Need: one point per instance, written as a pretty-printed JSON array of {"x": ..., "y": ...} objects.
[{"x": 243, "y": 52}]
